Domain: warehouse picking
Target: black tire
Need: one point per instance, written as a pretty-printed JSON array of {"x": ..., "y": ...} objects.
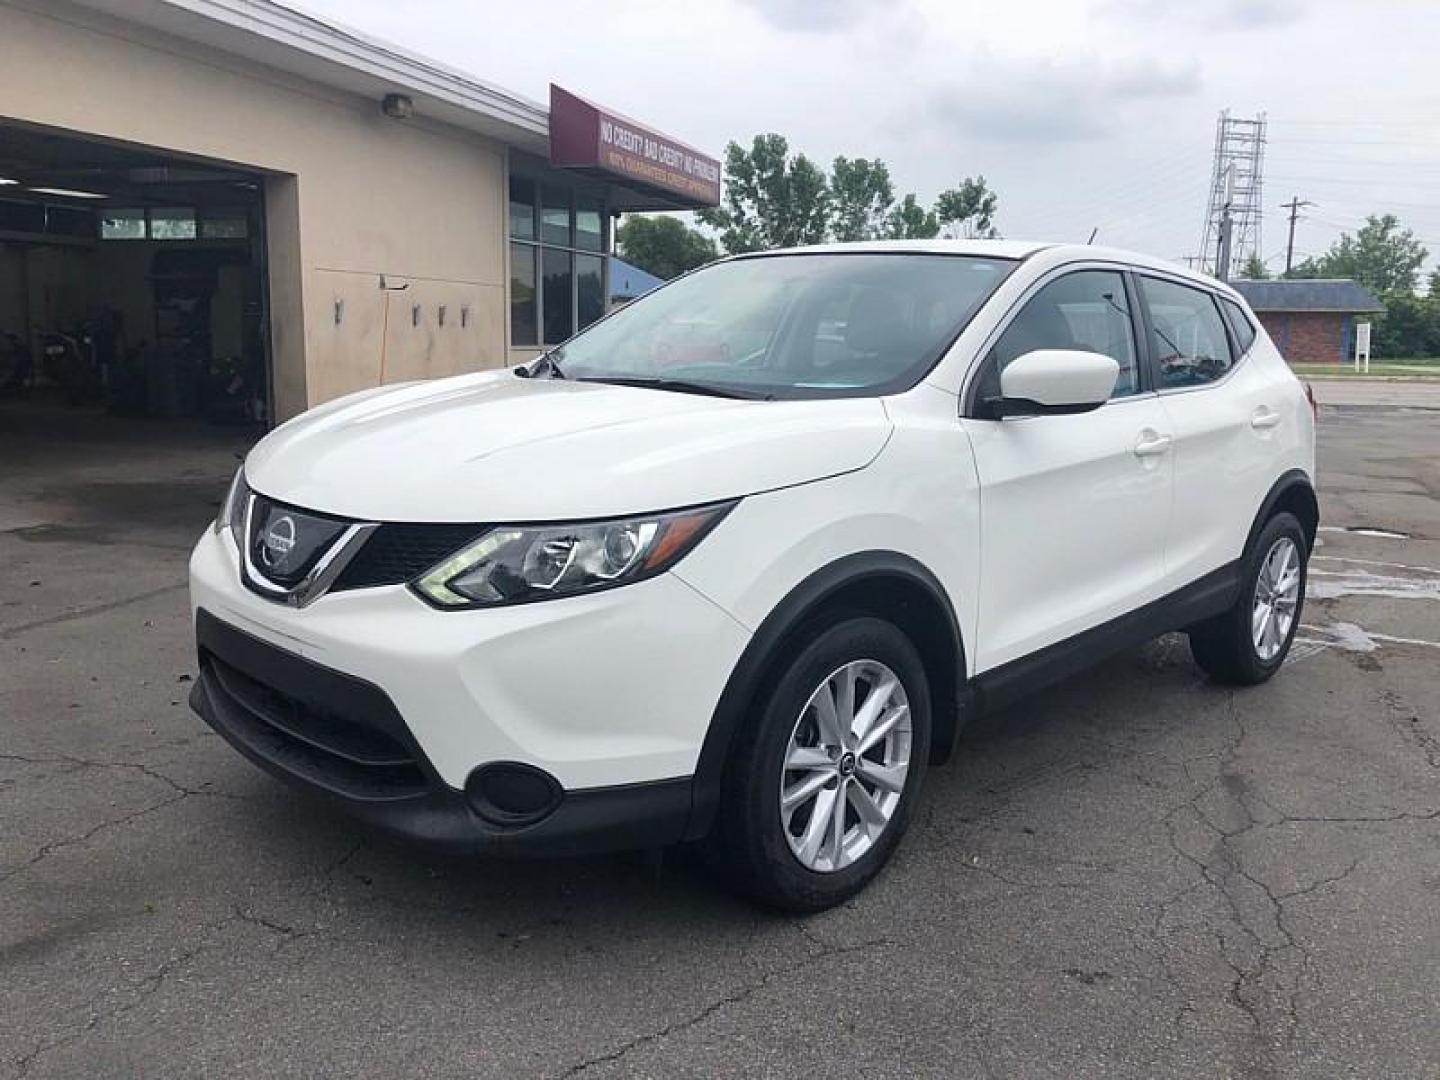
[
  {"x": 749, "y": 841},
  {"x": 1224, "y": 646}
]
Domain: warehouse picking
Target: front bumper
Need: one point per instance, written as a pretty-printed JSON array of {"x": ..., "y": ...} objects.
[{"x": 388, "y": 707}]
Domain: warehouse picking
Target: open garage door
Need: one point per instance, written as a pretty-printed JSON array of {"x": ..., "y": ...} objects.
[{"x": 132, "y": 285}]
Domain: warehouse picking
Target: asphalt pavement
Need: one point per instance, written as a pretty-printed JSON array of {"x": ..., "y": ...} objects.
[{"x": 1135, "y": 874}]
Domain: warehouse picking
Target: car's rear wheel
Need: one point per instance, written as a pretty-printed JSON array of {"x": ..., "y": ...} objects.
[
  {"x": 1248, "y": 643},
  {"x": 821, "y": 786}
]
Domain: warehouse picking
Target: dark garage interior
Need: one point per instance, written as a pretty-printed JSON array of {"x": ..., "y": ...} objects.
[{"x": 132, "y": 285}]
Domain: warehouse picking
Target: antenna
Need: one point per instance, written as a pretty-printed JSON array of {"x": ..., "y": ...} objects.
[{"x": 1231, "y": 236}]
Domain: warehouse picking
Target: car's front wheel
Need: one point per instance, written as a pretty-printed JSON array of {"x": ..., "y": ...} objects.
[
  {"x": 1248, "y": 643},
  {"x": 822, "y": 784}
]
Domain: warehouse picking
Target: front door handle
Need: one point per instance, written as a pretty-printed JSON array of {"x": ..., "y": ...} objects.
[
  {"x": 1264, "y": 417},
  {"x": 1151, "y": 444}
]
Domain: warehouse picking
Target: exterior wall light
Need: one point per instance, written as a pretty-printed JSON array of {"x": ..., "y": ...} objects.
[{"x": 398, "y": 105}]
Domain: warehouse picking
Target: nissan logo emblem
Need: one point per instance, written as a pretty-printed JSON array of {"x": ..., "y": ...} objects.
[{"x": 277, "y": 541}]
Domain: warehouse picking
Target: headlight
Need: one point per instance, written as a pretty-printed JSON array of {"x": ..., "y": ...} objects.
[
  {"x": 515, "y": 564},
  {"x": 232, "y": 509}
]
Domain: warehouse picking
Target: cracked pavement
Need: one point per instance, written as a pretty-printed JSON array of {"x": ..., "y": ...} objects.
[{"x": 1134, "y": 874}]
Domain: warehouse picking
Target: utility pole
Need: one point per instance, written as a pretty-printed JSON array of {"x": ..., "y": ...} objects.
[
  {"x": 1227, "y": 227},
  {"x": 1295, "y": 205}
]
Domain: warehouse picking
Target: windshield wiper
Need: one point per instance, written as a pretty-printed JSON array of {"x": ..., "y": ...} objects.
[
  {"x": 679, "y": 386},
  {"x": 546, "y": 363}
]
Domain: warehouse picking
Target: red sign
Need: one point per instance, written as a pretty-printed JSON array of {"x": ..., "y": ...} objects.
[{"x": 585, "y": 136}]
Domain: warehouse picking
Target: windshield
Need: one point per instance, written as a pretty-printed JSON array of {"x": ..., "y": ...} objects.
[{"x": 824, "y": 325}]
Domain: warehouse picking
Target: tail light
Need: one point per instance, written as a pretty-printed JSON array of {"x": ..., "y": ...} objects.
[{"x": 1310, "y": 397}]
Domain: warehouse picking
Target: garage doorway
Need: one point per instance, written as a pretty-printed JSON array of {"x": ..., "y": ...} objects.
[{"x": 132, "y": 286}]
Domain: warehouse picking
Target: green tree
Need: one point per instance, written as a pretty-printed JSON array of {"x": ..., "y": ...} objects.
[
  {"x": 1381, "y": 256},
  {"x": 771, "y": 198},
  {"x": 968, "y": 210},
  {"x": 663, "y": 246},
  {"x": 1254, "y": 269},
  {"x": 911, "y": 221},
  {"x": 860, "y": 198},
  {"x": 1409, "y": 327}
]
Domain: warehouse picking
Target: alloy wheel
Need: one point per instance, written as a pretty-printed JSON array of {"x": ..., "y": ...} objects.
[
  {"x": 1277, "y": 595},
  {"x": 845, "y": 766}
]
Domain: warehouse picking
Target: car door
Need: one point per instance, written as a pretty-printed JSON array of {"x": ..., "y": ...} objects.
[
  {"x": 1226, "y": 419},
  {"x": 1074, "y": 508}
]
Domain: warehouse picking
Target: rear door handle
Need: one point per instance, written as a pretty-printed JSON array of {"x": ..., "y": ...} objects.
[
  {"x": 1264, "y": 417},
  {"x": 1151, "y": 444}
]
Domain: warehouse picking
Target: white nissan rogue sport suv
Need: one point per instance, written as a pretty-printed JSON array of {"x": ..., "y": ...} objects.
[{"x": 737, "y": 562}]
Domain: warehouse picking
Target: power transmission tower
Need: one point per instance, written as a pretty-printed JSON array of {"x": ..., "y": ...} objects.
[
  {"x": 1295, "y": 205},
  {"x": 1232, "y": 220}
]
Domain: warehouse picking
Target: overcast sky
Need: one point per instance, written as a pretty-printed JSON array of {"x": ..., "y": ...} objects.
[{"x": 1080, "y": 113}]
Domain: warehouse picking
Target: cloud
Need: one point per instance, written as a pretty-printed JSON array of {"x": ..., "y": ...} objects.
[
  {"x": 812, "y": 16},
  {"x": 1226, "y": 15},
  {"x": 1045, "y": 101}
]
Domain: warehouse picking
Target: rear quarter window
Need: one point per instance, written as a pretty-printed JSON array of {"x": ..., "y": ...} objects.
[{"x": 1241, "y": 324}]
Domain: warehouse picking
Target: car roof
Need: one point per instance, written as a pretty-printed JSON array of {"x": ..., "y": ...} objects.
[
  {"x": 1055, "y": 254},
  {"x": 998, "y": 249}
]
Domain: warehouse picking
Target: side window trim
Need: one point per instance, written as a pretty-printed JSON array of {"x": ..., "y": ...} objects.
[
  {"x": 1236, "y": 357},
  {"x": 1232, "y": 313},
  {"x": 969, "y": 405},
  {"x": 1140, "y": 330}
]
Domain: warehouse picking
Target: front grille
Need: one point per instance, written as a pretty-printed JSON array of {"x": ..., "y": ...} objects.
[
  {"x": 327, "y": 749},
  {"x": 398, "y": 553},
  {"x": 286, "y": 543}
]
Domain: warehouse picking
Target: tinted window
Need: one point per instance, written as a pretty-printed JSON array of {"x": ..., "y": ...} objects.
[
  {"x": 1187, "y": 336},
  {"x": 1241, "y": 324},
  {"x": 791, "y": 326},
  {"x": 558, "y": 294},
  {"x": 589, "y": 232},
  {"x": 524, "y": 324},
  {"x": 522, "y": 208},
  {"x": 555, "y": 215},
  {"x": 589, "y": 289},
  {"x": 1087, "y": 310}
]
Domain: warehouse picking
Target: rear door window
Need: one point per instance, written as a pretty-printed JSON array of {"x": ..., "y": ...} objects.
[{"x": 1187, "y": 335}]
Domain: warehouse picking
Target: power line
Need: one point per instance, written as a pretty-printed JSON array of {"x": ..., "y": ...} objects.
[{"x": 1371, "y": 181}]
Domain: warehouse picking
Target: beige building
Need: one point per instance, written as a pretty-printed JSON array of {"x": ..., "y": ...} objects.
[{"x": 226, "y": 208}]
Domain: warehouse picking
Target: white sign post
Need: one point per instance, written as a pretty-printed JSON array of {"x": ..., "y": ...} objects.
[{"x": 1362, "y": 347}]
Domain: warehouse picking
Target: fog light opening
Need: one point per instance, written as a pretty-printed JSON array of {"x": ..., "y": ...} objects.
[{"x": 511, "y": 793}]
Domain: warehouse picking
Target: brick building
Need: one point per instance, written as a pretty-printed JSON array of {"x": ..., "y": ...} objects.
[{"x": 1311, "y": 321}]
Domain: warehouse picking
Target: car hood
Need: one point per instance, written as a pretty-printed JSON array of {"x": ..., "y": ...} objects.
[{"x": 494, "y": 447}]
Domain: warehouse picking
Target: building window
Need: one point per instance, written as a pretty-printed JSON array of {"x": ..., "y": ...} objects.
[
  {"x": 589, "y": 288},
  {"x": 559, "y": 285},
  {"x": 522, "y": 208},
  {"x": 224, "y": 224},
  {"x": 589, "y": 227},
  {"x": 557, "y": 261},
  {"x": 122, "y": 225},
  {"x": 555, "y": 216},
  {"x": 172, "y": 223},
  {"x": 523, "y": 296}
]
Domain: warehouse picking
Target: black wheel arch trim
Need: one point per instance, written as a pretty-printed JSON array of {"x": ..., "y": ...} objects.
[
  {"x": 1292, "y": 480},
  {"x": 789, "y": 615}
]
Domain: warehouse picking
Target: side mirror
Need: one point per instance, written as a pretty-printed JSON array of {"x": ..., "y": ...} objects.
[{"x": 1050, "y": 382}]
